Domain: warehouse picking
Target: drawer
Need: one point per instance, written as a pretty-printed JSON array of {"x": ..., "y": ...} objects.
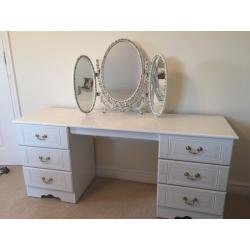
[
  {"x": 50, "y": 179},
  {"x": 196, "y": 149},
  {"x": 191, "y": 174},
  {"x": 172, "y": 213},
  {"x": 46, "y": 158},
  {"x": 42, "y": 136},
  {"x": 191, "y": 199}
]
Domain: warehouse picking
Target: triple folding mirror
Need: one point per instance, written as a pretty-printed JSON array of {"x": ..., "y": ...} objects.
[{"x": 126, "y": 80}]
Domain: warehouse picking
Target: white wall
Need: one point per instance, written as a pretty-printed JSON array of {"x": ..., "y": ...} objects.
[{"x": 209, "y": 72}]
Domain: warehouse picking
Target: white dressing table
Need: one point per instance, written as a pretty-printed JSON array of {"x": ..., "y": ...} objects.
[{"x": 194, "y": 155}]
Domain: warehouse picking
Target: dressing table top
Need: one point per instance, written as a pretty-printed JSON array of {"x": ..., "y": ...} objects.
[{"x": 176, "y": 124}]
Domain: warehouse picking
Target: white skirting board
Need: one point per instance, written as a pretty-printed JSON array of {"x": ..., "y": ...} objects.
[
  {"x": 240, "y": 188},
  {"x": 234, "y": 187},
  {"x": 128, "y": 174}
]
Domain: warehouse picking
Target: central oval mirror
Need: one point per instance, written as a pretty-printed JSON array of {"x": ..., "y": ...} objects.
[
  {"x": 122, "y": 70},
  {"x": 84, "y": 84}
]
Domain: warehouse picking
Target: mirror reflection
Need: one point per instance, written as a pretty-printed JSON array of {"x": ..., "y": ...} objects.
[
  {"x": 122, "y": 70},
  {"x": 158, "y": 85},
  {"x": 84, "y": 84}
]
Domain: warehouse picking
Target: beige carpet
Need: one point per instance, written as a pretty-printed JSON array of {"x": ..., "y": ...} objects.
[{"x": 105, "y": 198}]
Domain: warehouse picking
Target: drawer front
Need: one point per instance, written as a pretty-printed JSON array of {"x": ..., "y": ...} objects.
[
  {"x": 46, "y": 158},
  {"x": 171, "y": 213},
  {"x": 198, "y": 200},
  {"x": 50, "y": 179},
  {"x": 196, "y": 149},
  {"x": 191, "y": 174},
  {"x": 42, "y": 136}
]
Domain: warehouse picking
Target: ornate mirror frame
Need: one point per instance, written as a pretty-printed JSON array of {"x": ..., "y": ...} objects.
[
  {"x": 94, "y": 84},
  {"x": 157, "y": 56},
  {"x": 137, "y": 99}
]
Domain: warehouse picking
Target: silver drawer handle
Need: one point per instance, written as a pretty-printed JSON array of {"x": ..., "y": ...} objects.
[
  {"x": 44, "y": 159},
  {"x": 192, "y": 177},
  {"x": 41, "y": 137},
  {"x": 47, "y": 181},
  {"x": 190, "y": 202},
  {"x": 191, "y": 151}
]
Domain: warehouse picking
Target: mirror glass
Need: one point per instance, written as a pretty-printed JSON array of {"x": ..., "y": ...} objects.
[
  {"x": 158, "y": 85},
  {"x": 122, "y": 70},
  {"x": 84, "y": 84}
]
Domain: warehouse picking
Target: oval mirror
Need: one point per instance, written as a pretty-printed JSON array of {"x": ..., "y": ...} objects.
[
  {"x": 84, "y": 84},
  {"x": 121, "y": 71},
  {"x": 158, "y": 85}
]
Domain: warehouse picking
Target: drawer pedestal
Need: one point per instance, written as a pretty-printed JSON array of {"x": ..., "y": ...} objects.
[
  {"x": 55, "y": 162},
  {"x": 192, "y": 176}
]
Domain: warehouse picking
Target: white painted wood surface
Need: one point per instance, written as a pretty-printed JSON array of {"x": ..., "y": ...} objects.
[
  {"x": 8, "y": 110},
  {"x": 70, "y": 129},
  {"x": 11, "y": 72},
  {"x": 191, "y": 125},
  {"x": 115, "y": 133},
  {"x": 42, "y": 136},
  {"x": 211, "y": 202},
  {"x": 59, "y": 180},
  {"x": 172, "y": 213},
  {"x": 48, "y": 158},
  {"x": 214, "y": 150},
  {"x": 62, "y": 195},
  {"x": 83, "y": 162},
  {"x": 212, "y": 177},
  {"x": 66, "y": 159}
]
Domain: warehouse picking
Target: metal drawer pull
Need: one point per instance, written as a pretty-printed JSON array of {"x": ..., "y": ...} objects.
[
  {"x": 47, "y": 181},
  {"x": 191, "y": 151},
  {"x": 192, "y": 177},
  {"x": 44, "y": 159},
  {"x": 41, "y": 138},
  {"x": 190, "y": 202}
]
